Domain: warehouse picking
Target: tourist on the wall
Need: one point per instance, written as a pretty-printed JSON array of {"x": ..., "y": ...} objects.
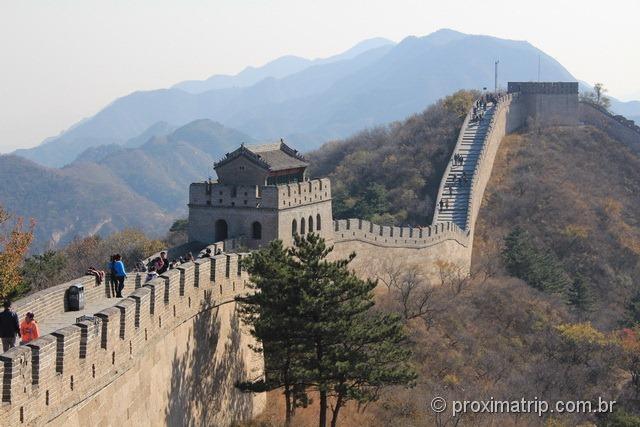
[
  {"x": 165, "y": 263},
  {"x": 151, "y": 274},
  {"x": 29, "y": 328},
  {"x": 206, "y": 254},
  {"x": 113, "y": 285},
  {"x": 9, "y": 327},
  {"x": 120, "y": 273}
]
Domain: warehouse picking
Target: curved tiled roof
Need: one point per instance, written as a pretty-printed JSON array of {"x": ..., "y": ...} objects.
[{"x": 273, "y": 157}]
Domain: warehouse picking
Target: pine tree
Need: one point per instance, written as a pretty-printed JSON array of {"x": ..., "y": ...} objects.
[
  {"x": 579, "y": 295},
  {"x": 538, "y": 267},
  {"x": 271, "y": 314},
  {"x": 632, "y": 315},
  {"x": 352, "y": 353},
  {"x": 312, "y": 317}
]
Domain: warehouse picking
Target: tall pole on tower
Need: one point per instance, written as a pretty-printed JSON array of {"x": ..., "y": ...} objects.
[{"x": 496, "y": 76}]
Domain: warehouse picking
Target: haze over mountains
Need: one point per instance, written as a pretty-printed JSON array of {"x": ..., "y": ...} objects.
[
  {"x": 308, "y": 102},
  {"x": 113, "y": 187},
  {"x": 130, "y": 165}
]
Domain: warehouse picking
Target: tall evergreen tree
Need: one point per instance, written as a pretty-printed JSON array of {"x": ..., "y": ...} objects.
[
  {"x": 632, "y": 314},
  {"x": 538, "y": 267},
  {"x": 579, "y": 295},
  {"x": 271, "y": 313},
  {"x": 352, "y": 353},
  {"x": 317, "y": 331}
]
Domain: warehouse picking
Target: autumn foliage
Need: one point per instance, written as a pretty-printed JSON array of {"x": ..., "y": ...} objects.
[{"x": 15, "y": 239}]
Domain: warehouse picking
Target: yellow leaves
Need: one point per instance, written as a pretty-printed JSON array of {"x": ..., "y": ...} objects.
[
  {"x": 582, "y": 333},
  {"x": 459, "y": 102},
  {"x": 576, "y": 231},
  {"x": 613, "y": 207},
  {"x": 451, "y": 380},
  {"x": 14, "y": 244}
]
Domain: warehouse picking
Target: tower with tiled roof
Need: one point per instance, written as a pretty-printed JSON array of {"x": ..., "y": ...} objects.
[{"x": 262, "y": 193}]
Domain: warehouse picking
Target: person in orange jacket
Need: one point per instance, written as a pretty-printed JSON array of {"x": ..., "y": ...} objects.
[{"x": 29, "y": 329}]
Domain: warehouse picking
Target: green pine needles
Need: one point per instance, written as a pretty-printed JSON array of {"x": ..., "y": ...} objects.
[{"x": 316, "y": 324}]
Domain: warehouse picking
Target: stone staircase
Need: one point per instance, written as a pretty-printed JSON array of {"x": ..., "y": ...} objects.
[{"x": 456, "y": 191}]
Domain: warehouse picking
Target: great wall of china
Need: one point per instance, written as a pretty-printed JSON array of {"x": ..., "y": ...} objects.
[{"x": 154, "y": 357}]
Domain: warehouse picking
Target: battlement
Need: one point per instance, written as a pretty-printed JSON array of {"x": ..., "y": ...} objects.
[
  {"x": 396, "y": 237},
  {"x": 543, "y": 88},
  {"x": 55, "y": 372},
  {"x": 281, "y": 196}
]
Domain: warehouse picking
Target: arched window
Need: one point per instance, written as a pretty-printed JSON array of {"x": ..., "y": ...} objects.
[
  {"x": 302, "y": 226},
  {"x": 294, "y": 228},
  {"x": 310, "y": 224},
  {"x": 256, "y": 230},
  {"x": 221, "y": 230},
  {"x": 318, "y": 224}
]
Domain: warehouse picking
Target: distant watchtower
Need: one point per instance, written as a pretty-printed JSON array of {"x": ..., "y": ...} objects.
[
  {"x": 262, "y": 194},
  {"x": 548, "y": 103}
]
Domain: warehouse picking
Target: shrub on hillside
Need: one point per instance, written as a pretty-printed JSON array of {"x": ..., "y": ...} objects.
[{"x": 537, "y": 266}]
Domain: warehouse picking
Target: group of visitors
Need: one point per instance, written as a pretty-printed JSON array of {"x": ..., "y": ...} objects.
[
  {"x": 10, "y": 329},
  {"x": 444, "y": 204},
  {"x": 458, "y": 160},
  {"x": 461, "y": 180}
]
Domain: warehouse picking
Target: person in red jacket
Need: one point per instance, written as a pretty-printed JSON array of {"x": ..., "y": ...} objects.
[{"x": 29, "y": 328}]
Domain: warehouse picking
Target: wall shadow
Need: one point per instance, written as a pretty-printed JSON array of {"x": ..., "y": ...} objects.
[{"x": 203, "y": 391}]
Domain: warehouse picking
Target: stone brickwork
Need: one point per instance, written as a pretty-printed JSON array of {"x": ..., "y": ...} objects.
[
  {"x": 548, "y": 103},
  {"x": 616, "y": 127},
  {"x": 144, "y": 360},
  {"x": 274, "y": 207}
]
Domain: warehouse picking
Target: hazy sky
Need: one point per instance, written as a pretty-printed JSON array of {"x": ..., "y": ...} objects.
[{"x": 62, "y": 60}]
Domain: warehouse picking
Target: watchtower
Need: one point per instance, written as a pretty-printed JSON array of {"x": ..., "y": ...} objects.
[
  {"x": 262, "y": 193},
  {"x": 548, "y": 103}
]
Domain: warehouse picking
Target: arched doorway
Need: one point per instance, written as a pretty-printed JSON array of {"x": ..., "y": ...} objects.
[
  {"x": 318, "y": 224},
  {"x": 302, "y": 226},
  {"x": 294, "y": 228},
  {"x": 310, "y": 224},
  {"x": 256, "y": 230},
  {"x": 221, "y": 230}
]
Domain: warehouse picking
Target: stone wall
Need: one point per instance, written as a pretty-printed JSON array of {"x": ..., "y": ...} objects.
[
  {"x": 509, "y": 116},
  {"x": 548, "y": 103},
  {"x": 616, "y": 127},
  {"x": 427, "y": 247},
  {"x": 168, "y": 353},
  {"x": 274, "y": 207}
]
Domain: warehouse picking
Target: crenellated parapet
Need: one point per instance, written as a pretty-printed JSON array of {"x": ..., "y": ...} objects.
[
  {"x": 283, "y": 196},
  {"x": 57, "y": 371},
  {"x": 397, "y": 237}
]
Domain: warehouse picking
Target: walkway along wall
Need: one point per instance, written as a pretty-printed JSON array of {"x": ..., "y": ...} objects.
[
  {"x": 169, "y": 354},
  {"x": 442, "y": 241}
]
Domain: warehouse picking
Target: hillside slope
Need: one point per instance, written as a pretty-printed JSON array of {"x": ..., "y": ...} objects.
[
  {"x": 576, "y": 192},
  {"x": 390, "y": 175},
  {"x": 491, "y": 335},
  {"x": 86, "y": 199}
]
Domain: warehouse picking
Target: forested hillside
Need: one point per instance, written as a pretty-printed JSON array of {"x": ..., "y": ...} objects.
[
  {"x": 390, "y": 174},
  {"x": 572, "y": 193},
  {"x": 552, "y": 307}
]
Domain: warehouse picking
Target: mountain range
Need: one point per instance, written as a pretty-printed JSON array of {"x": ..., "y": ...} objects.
[
  {"x": 130, "y": 165},
  {"x": 112, "y": 187},
  {"x": 309, "y": 102}
]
